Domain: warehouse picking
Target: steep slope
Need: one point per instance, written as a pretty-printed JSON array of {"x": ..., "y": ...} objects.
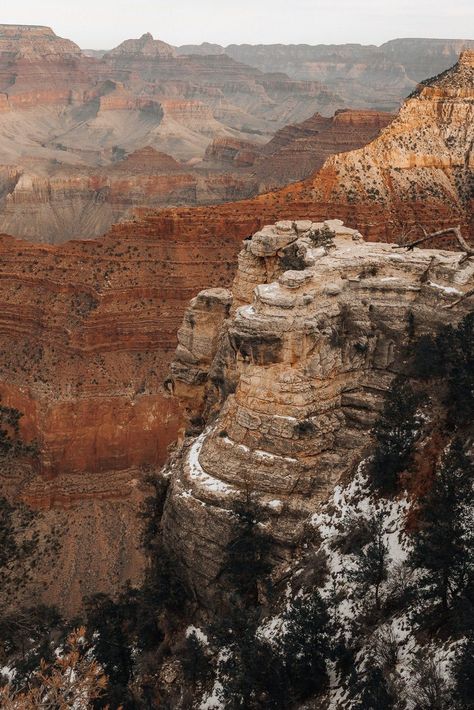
[{"x": 300, "y": 149}]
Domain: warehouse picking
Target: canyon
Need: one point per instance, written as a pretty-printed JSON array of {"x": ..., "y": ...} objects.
[
  {"x": 88, "y": 327},
  {"x": 366, "y": 76},
  {"x": 73, "y": 124},
  {"x": 68, "y": 121},
  {"x": 79, "y": 201}
]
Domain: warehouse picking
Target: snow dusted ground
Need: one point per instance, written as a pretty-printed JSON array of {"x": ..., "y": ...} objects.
[
  {"x": 389, "y": 634},
  {"x": 397, "y": 633}
]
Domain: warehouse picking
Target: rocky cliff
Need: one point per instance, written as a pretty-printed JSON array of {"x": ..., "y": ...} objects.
[
  {"x": 365, "y": 75},
  {"x": 418, "y": 173},
  {"x": 297, "y": 150},
  {"x": 286, "y": 374}
]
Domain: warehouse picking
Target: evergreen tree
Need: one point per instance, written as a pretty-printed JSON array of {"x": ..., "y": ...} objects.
[
  {"x": 305, "y": 646},
  {"x": 374, "y": 690},
  {"x": 11, "y": 443},
  {"x": 457, "y": 347},
  {"x": 247, "y": 559},
  {"x": 372, "y": 560},
  {"x": 427, "y": 358},
  {"x": 451, "y": 356},
  {"x": 463, "y": 673},
  {"x": 107, "y": 627},
  {"x": 395, "y": 434},
  {"x": 443, "y": 546}
]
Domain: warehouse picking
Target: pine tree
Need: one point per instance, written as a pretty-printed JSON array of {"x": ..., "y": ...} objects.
[
  {"x": 106, "y": 624},
  {"x": 374, "y": 691},
  {"x": 427, "y": 358},
  {"x": 395, "y": 434},
  {"x": 443, "y": 546},
  {"x": 457, "y": 346},
  {"x": 247, "y": 559},
  {"x": 305, "y": 646},
  {"x": 372, "y": 560},
  {"x": 11, "y": 443},
  {"x": 463, "y": 673}
]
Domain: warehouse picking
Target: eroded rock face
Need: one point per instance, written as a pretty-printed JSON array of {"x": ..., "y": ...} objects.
[
  {"x": 366, "y": 75},
  {"x": 417, "y": 172},
  {"x": 297, "y": 380},
  {"x": 300, "y": 149}
]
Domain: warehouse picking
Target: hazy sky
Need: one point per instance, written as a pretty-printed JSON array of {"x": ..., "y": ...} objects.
[{"x": 105, "y": 23}]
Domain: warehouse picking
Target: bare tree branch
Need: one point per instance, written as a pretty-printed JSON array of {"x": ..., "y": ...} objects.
[
  {"x": 468, "y": 294},
  {"x": 449, "y": 230}
]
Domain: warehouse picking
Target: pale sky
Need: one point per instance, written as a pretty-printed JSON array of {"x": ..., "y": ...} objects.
[{"x": 102, "y": 24}]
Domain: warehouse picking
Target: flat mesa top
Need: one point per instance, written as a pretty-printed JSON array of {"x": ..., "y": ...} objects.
[
  {"x": 24, "y": 27},
  {"x": 11, "y": 30}
]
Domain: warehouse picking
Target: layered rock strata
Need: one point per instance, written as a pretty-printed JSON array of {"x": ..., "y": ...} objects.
[
  {"x": 365, "y": 75},
  {"x": 289, "y": 385},
  {"x": 418, "y": 173}
]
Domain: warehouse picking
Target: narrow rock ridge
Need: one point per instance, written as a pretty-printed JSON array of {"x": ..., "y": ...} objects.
[{"x": 287, "y": 388}]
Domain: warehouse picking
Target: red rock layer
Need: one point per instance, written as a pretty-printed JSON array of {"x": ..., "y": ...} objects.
[
  {"x": 87, "y": 329},
  {"x": 92, "y": 321},
  {"x": 300, "y": 149}
]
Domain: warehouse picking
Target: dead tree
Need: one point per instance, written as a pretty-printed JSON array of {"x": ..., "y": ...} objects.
[{"x": 469, "y": 251}]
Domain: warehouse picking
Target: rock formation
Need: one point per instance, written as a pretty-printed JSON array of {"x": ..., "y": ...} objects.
[
  {"x": 365, "y": 75},
  {"x": 67, "y": 119},
  {"x": 298, "y": 150},
  {"x": 288, "y": 386}
]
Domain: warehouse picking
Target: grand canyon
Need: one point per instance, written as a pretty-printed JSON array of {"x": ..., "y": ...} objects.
[{"x": 216, "y": 263}]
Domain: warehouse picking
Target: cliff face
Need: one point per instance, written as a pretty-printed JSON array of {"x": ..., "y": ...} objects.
[
  {"x": 300, "y": 149},
  {"x": 289, "y": 385},
  {"x": 365, "y": 75},
  {"x": 417, "y": 172},
  {"x": 86, "y": 333},
  {"x": 39, "y": 68}
]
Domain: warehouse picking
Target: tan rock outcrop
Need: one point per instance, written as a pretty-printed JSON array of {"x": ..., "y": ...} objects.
[{"x": 297, "y": 380}]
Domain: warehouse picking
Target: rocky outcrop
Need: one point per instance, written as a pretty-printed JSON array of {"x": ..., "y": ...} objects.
[
  {"x": 288, "y": 387},
  {"x": 145, "y": 47},
  {"x": 231, "y": 152}
]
